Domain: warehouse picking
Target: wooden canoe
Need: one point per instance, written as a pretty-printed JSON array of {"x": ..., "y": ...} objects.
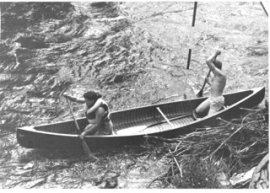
[{"x": 133, "y": 125}]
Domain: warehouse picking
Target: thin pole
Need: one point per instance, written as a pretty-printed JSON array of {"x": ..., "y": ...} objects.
[
  {"x": 264, "y": 9},
  {"x": 189, "y": 57},
  {"x": 194, "y": 13},
  {"x": 193, "y": 24}
]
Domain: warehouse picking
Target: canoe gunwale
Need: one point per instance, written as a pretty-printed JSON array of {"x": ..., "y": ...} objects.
[{"x": 195, "y": 122}]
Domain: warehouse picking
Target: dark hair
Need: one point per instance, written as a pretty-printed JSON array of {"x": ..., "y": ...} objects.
[
  {"x": 218, "y": 64},
  {"x": 92, "y": 95}
]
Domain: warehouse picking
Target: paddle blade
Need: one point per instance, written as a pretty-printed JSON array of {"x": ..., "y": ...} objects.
[{"x": 87, "y": 150}]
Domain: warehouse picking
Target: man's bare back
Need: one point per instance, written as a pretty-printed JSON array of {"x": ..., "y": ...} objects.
[
  {"x": 219, "y": 80},
  {"x": 218, "y": 85}
]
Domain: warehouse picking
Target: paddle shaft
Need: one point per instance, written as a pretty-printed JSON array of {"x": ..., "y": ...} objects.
[
  {"x": 200, "y": 93},
  {"x": 205, "y": 79},
  {"x": 164, "y": 116},
  {"x": 76, "y": 123},
  {"x": 84, "y": 144}
]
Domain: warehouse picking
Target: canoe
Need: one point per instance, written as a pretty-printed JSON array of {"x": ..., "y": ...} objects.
[{"x": 134, "y": 125}]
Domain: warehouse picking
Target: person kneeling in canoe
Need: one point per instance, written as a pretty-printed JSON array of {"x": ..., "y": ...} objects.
[
  {"x": 216, "y": 101},
  {"x": 97, "y": 114}
]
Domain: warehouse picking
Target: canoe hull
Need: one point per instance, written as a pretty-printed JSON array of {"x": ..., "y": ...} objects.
[{"x": 45, "y": 137}]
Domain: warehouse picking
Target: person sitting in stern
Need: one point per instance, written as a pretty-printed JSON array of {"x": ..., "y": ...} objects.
[{"x": 216, "y": 100}]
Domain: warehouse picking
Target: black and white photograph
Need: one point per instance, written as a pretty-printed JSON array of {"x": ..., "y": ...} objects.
[{"x": 134, "y": 95}]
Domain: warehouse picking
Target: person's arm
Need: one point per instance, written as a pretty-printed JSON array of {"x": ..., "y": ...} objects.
[
  {"x": 95, "y": 106},
  {"x": 211, "y": 65},
  {"x": 74, "y": 99}
]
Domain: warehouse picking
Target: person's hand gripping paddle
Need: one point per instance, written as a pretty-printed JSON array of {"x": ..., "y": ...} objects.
[
  {"x": 200, "y": 93},
  {"x": 84, "y": 144}
]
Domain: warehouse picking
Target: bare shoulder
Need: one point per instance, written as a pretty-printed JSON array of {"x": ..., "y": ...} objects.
[{"x": 221, "y": 73}]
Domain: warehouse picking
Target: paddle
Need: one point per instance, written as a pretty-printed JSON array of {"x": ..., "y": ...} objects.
[
  {"x": 84, "y": 144},
  {"x": 200, "y": 93}
]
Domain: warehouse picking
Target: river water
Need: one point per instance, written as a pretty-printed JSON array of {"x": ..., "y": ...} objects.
[{"x": 164, "y": 35}]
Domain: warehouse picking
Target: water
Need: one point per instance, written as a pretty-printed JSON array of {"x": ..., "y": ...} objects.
[{"x": 157, "y": 74}]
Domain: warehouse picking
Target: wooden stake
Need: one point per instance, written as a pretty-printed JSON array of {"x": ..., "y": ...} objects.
[
  {"x": 193, "y": 24},
  {"x": 194, "y": 13},
  {"x": 189, "y": 57}
]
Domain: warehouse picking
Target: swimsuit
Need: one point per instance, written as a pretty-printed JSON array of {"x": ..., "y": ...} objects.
[{"x": 216, "y": 103}]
